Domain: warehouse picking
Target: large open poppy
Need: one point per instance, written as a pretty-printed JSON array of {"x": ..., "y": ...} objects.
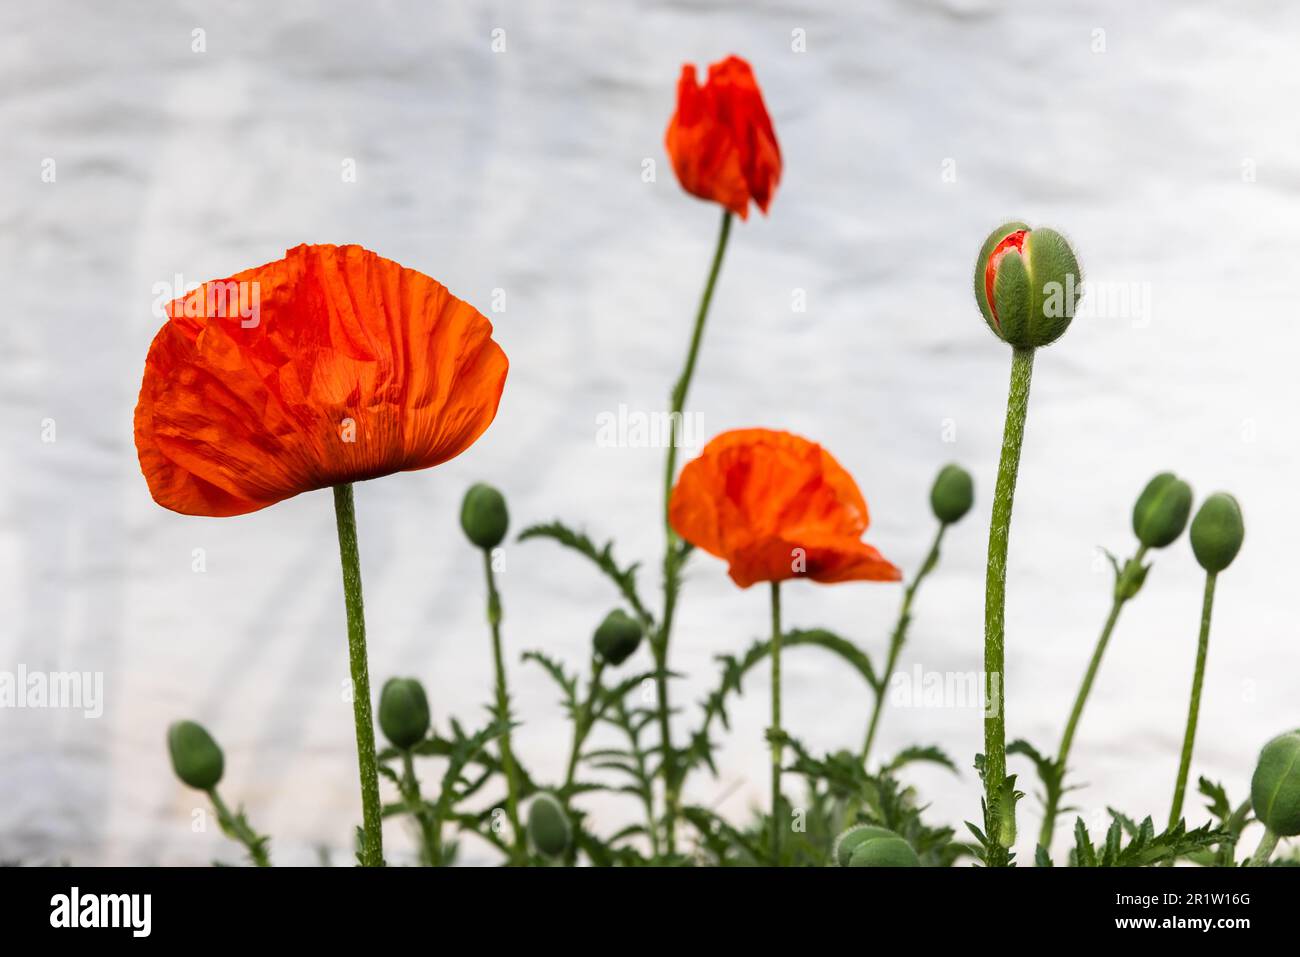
[{"x": 329, "y": 366}]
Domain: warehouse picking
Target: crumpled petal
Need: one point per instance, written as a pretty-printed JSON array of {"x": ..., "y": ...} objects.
[
  {"x": 776, "y": 506},
  {"x": 721, "y": 141},
  {"x": 353, "y": 367}
]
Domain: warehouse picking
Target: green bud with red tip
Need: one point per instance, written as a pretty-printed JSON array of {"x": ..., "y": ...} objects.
[
  {"x": 1217, "y": 532},
  {"x": 1027, "y": 284}
]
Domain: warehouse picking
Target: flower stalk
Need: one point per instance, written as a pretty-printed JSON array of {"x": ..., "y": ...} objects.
[
  {"x": 898, "y": 637},
  {"x": 1194, "y": 706},
  {"x": 673, "y": 551},
  {"x": 520, "y": 848},
  {"x": 995, "y": 600},
  {"x": 372, "y": 850},
  {"x": 778, "y": 745}
]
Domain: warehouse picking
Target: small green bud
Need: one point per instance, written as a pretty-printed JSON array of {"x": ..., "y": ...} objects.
[
  {"x": 484, "y": 517},
  {"x": 952, "y": 494},
  {"x": 884, "y": 852},
  {"x": 1217, "y": 531},
  {"x": 855, "y": 837},
  {"x": 1161, "y": 512},
  {"x": 548, "y": 825},
  {"x": 617, "y": 638},
  {"x": 1027, "y": 284},
  {"x": 196, "y": 759},
  {"x": 403, "y": 712},
  {"x": 1275, "y": 786}
]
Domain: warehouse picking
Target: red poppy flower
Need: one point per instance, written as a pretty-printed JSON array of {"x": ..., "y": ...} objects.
[
  {"x": 776, "y": 506},
  {"x": 331, "y": 365},
  {"x": 721, "y": 140}
]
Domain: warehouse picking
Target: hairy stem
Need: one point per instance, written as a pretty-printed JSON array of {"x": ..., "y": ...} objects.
[
  {"x": 777, "y": 824},
  {"x": 520, "y": 850},
  {"x": 1267, "y": 844},
  {"x": 236, "y": 827},
  {"x": 995, "y": 600},
  {"x": 430, "y": 836},
  {"x": 1062, "y": 755},
  {"x": 1194, "y": 707},
  {"x": 898, "y": 637},
  {"x": 345, "y": 516},
  {"x": 668, "y": 763}
]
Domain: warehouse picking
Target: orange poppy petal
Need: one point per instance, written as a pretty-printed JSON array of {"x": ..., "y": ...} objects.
[{"x": 353, "y": 367}]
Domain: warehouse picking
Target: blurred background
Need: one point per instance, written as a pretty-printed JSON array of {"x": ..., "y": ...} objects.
[{"x": 202, "y": 138}]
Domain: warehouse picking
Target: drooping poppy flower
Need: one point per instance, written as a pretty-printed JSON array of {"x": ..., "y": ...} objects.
[
  {"x": 776, "y": 506},
  {"x": 329, "y": 366},
  {"x": 721, "y": 139}
]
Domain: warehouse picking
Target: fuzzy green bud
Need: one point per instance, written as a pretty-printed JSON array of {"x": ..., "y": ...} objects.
[
  {"x": 483, "y": 516},
  {"x": 1027, "y": 284},
  {"x": 952, "y": 494},
  {"x": 1275, "y": 786},
  {"x": 1217, "y": 531},
  {"x": 403, "y": 712},
  {"x": 617, "y": 637},
  {"x": 884, "y": 852},
  {"x": 1161, "y": 512},
  {"x": 850, "y": 840},
  {"x": 548, "y": 825},
  {"x": 196, "y": 759}
]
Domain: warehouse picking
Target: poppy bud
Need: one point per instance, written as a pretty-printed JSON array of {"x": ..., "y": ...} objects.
[
  {"x": 1275, "y": 786},
  {"x": 196, "y": 759},
  {"x": 952, "y": 495},
  {"x": 1217, "y": 531},
  {"x": 850, "y": 840},
  {"x": 403, "y": 712},
  {"x": 548, "y": 825},
  {"x": 484, "y": 517},
  {"x": 617, "y": 638},
  {"x": 1027, "y": 284},
  {"x": 884, "y": 852},
  {"x": 1160, "y": 514}
]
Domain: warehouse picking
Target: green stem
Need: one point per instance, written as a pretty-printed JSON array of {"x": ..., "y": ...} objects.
[
  {"x": 898, "y": 637},
  {"x": 777, "y": 748},
  {"x": 583, "y": 722},
  {"x": 1194, "y": 708},
  {"x": 1062, "y": 755},
  {"x": 429, "y": 829},
  {"x": 668, "y": 764},
  {"x": 503, "y": 711},
  {"x": 237, "y": 827},
  {"x": 1267, "y": 844},
  {"x": 995, "y": 600},
  {"x": 372, "y": 855}
]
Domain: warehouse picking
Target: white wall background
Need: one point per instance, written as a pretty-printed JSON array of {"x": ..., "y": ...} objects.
[{"x": 522, "y": 171}]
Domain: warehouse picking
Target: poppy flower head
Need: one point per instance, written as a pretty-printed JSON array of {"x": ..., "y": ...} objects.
[
  {"x": 721, "y": 139},
  {"x": 776, "y": 506},
  {"x": 347, "y": 366}
]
